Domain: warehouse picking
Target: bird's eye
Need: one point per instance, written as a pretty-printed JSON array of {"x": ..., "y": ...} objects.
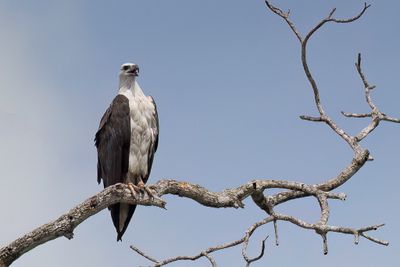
[{"x": 125, "y": 67}]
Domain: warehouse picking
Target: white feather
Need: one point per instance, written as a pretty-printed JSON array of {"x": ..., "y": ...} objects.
[{"x": 142, "y": 135}]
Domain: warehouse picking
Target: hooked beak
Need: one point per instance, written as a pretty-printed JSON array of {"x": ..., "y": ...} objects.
[{"x": 134, "y": 71}]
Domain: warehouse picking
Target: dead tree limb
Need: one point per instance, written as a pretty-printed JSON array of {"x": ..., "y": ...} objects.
[
  {"x": 66, "y": 223},
  {"x": 229, "y": 198},
  {"x": 361, "y": 155}
]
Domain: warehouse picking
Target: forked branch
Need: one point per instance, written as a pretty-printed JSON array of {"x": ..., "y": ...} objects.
[{"x": 376, "y": 115}]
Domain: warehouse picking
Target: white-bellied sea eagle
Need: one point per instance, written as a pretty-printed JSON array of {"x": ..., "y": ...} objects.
[{"x": 126, "y": 141}]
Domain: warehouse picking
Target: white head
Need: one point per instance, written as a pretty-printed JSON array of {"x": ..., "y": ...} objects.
[
  {"x": 129, "y": 70},
  {"x": 127, "y": 74}
]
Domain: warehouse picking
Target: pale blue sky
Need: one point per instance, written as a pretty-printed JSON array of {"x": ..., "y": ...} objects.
[{"x": 227, "y": 79}]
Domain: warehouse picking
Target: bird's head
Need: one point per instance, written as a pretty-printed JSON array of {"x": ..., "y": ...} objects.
[{"x": 129, "y": 70}]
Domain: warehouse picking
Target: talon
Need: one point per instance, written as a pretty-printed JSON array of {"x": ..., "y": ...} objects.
[
  {"x": 141, "y": 184},
  {"x": 134, "y": 189},
  {"x": 146, "y": 189}
]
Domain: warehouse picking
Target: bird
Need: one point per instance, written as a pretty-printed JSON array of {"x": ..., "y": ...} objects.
[{"x": 126, "y": 141}]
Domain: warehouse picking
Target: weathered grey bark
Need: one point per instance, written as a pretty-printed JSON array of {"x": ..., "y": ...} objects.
[
  {"x": 66, "y": 223},
  {"x": 229, "y": 198}
]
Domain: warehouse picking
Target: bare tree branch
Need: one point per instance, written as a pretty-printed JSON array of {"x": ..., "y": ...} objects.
[
  {"x": 390, "y": 119},
  {"x": 369, "y": 115},
  {"x": 205, "y": 253},
  {"x": 267, "y": 203},
  {"x": 251, "y": 260},
  {"x": 66, "y": 223},
  {"x": 285, "y": 16},
  {"x": 143, "y": 254},
  {"x": 323, "y": 116},
  {"x": 376, "y": 115},
  {"x": 320, "y": 227},
  {"x": 276, "y": 233},
  {"x": 357, "y": 162},
  {"x": 310, "y": 118},
  {"x": 355, "y": 115},
  {"x": 233, "y": 198},
  {"x": 350, "y": 140}
]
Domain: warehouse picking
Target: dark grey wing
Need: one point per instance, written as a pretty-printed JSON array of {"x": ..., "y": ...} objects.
[
  {"x": 112, "y": 141},
  {"x": 154, "y": 144}
]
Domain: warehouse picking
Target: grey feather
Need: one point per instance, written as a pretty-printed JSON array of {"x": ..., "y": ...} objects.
[
  {"x": 154, "y": 145},
  {"x": 112, "y": 141}
]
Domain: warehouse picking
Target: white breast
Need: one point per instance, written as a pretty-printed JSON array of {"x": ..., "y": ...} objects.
[{"x": 142, "y": 112}]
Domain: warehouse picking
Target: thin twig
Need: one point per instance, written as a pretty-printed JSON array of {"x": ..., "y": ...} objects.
[
  {"x": 376, "y": 115},
  {"x": 385, "y": 118},
  {"x": 249, "y": 261},
  {"x": 211, "y": 259},
  {"x": 310, "y": 118},
  {"x": 321, "y": 228},
  {"x": 285, "y": 16},
  {"x": 246, "y": 240},
  {"x": 356, "y": 115},
  {"x": 206, "y": 253},
  {"x": 143, "y": 254},
  {"x": 276, "y": 233}
]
